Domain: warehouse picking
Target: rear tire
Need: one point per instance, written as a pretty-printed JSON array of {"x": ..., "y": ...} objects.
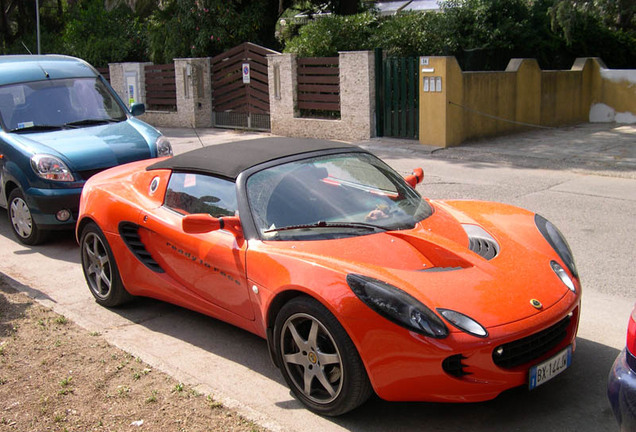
[
  {"x": 100, "y": 268},
  {"x": 24, "y": 227},
  {"x": 318, "y": 360}
]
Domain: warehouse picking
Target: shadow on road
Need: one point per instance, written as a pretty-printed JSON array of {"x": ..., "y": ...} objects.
[
  {"x": 65, "y": 247},
  {"x": 574, "y": 401}
]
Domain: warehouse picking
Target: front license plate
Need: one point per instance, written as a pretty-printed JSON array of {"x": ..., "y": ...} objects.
[{"x": 545, "y": 371}]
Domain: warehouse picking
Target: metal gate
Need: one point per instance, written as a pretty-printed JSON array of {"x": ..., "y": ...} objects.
[
  {"x": 397, "y": 96},
  {"x": 240, "y": 89}
]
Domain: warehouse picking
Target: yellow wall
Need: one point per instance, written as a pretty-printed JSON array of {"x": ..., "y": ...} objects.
[
  {"x": 471, "y": 105},
  {"x": 490, "y": 95}
]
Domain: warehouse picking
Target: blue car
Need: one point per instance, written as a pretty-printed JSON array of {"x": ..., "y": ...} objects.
[
  {"x": 61, "y": 123},
  {"x": 621, "y": 388}
]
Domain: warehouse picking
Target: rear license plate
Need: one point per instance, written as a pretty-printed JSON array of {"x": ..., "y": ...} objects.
[{"x": 545, "y": 371}]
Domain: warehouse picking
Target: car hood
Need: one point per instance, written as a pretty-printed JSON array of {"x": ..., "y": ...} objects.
[
  {"x": 88, "y": 148},
  {"x": 433, "y": 261}
]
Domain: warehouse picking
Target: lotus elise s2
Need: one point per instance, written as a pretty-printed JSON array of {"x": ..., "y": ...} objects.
[{"x": 357, "y": 283}]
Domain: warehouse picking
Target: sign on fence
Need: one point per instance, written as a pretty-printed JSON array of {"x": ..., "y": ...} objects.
[{"x": 246, "y": 73}]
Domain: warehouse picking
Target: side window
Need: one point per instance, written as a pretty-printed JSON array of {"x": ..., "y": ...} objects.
[{"x": 197, "y": 193}]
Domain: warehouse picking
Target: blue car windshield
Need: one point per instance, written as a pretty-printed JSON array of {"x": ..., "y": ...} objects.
[
  {"x": 61, "y": 103},
  {"x": 334, "y": 196}
]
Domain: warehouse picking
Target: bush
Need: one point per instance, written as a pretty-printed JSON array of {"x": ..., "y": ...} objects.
[
  {"x": 481, "y": 34},
  {"x": 101, "y": 37},
  {"x": 327, "y": 35},
  {"x": 413, "y": 34},
  {"x": 203, "y": 28}
]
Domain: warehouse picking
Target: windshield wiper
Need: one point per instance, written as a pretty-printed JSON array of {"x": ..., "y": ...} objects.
[
  {"x": 324, "y": 224},
  {"x": 89, "y": 122},
  {"x": 38, "y": 127}
]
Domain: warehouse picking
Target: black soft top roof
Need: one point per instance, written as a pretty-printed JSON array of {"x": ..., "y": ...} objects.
[{"x": 230, "y": 159}]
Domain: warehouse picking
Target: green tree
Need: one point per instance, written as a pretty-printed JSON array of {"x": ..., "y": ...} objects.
[
  {"x": 102, "y": 36},
  {"x": 18, "y": 27},
  {"x": 571, "y": 18},
  {"x": 200, "y": 28}
]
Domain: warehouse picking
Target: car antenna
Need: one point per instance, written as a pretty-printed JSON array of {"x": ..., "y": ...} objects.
[
  {"x": 46, "y": 74},
  {"x": 26, "y": 47},
  {"x": 195, "y": 132}
]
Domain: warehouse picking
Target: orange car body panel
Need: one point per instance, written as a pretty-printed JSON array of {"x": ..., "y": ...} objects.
[{"x": 237, "y": 280}]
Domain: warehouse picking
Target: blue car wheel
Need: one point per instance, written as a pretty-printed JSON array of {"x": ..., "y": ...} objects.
[{"x": 22, "y": 223}]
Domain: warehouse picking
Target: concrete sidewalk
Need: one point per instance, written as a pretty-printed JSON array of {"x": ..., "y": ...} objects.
[{"x": 601, "y": 148}]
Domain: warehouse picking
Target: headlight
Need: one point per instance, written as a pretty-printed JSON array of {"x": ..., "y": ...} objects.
[
  {"x": 557, "y": 241},
  {"x": 51, "y": 168},
  {"x": 563, "y": 275},
  {"x": 164, "y": 148},
  {"x": 397, "y": 306},
  {"x": 464, "y": 322}
]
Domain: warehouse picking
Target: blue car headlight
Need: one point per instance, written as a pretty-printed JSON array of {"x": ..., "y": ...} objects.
[
  {"x": 397, "y": 306},
  {"x": 164, "y": 148},
  {"x": 557, "y": 241},
  {"x": 51, "y": 167}
]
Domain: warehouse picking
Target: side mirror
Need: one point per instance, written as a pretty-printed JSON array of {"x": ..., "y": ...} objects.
[
  {"x": 137, "y": 109},
  {"x": 202, "y": 223},
  {"x": 415, "y": 178}
]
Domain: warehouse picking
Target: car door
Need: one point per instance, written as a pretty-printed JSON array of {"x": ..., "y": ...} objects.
[{"x": 210, "y": 265}]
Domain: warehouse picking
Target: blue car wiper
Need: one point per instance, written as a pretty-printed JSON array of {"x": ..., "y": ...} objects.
[
  {"x": 324, "y": 224},
  {"x": 91, "y": 122},
  {"x": 38, "y": 127}
]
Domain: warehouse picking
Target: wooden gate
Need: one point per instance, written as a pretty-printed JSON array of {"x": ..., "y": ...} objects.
[
  {"x": 397, "y": 96},
  {"x": 240, "y": 89}
]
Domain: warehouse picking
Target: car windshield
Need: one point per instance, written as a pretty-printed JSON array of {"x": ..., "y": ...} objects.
[
  {"x": 332, "y": 196},
  {"x": 53, "y": 104}
]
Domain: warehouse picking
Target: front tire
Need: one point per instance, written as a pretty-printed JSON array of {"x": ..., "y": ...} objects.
[
  {"x": 24, "y": 227},
  {"x": 100, "y": 268},
  {"x": 318, "y": 360}
]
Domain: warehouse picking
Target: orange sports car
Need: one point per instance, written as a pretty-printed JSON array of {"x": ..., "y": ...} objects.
[{"x": 357, "y": 283}]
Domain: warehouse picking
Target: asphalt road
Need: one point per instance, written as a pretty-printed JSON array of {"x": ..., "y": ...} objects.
[{"x": 592, "y": 203}]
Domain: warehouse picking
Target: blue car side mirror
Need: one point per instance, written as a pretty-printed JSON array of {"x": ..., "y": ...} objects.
[{"x": 137, "y": 109}]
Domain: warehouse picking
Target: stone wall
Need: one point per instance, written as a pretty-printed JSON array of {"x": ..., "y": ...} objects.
[
  {"x": 357, "y": 99},
  {"x": 193, "y": 86}
]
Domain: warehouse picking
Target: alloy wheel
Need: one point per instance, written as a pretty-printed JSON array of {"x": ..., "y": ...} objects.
[
  {"x": 97, "y": 265},
  {"x": 311, "y": 358}
]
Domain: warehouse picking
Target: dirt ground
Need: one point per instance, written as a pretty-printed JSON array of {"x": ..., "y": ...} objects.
[{"x": 56, "y": 376}]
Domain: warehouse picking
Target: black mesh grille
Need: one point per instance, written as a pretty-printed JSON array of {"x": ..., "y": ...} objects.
[
  {"x": 130, "y": 234},
  {"x": 86, "y": 174},
  {"x": 525, "y": 350}
]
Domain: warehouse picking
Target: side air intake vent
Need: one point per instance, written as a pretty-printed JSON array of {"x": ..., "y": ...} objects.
[
  {"x": 453, "y": 366},
  {"x": 129, "y": 232},
  {"x": 480, "y": 242}
]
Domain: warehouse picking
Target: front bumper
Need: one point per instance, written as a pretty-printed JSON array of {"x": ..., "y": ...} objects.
[
  {"x": 409, "y": 367},
  {"x": 621, "y": 391},
  {"x": 45, "y": 203}
]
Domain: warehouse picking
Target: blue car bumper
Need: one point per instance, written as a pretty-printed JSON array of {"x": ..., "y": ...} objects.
[
  {"x": 45, "y": 203},
  {"x": 621, "y": 390}
]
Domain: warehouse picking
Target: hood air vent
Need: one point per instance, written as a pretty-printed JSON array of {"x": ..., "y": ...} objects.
[{"x": 480, "y": 242}]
